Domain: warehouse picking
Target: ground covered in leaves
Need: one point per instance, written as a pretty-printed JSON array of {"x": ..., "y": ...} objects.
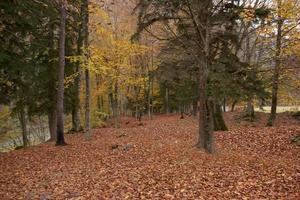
[{"x": 158, "y": 160}]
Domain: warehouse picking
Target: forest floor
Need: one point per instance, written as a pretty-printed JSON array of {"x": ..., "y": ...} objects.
[{"x": 158, "y": 160}]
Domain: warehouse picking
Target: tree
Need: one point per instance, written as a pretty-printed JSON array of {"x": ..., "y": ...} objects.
[
  {"x": 87, "y": 73},
  {"x": 286, "y": 23},
  {"x": 61, "y": 70}
]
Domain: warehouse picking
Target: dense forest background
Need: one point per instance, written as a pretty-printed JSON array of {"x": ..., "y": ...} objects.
[{"x": 72, "y": 66}]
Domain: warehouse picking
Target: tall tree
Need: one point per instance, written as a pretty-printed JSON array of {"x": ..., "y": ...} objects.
[
  {"x": 87, "y": 72},
  {"x": 61, "y": 72}
]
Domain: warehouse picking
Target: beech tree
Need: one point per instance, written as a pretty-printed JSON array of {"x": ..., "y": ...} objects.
[{"x": 61, "y": 72}]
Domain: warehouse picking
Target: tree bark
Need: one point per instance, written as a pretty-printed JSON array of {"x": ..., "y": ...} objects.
[
  {"x": 87, "y": 73},
  {"x": 219, "y": 122},
  {"x": 233, "y": 105},
  {"x": 181, "y": 111},
  {"x": 23, "y": 123},
  {"x": 52, "y": 90},
  {"x": 276, "y": 71},
  {"x": 205, "y": 138},
  {"x": 61, "y": 70},
  {"x": 76, "y": 110},
  {"x": 250, "y": 110},
  {"x": 52, "y": 121},
  {"x": 87, "y": 105},
  {"x": 99, "y": 106},
  {"x": 116, "y": 106},
  {"x": 224, "y": 104},
  {"x": 195, "y": 108},
  {"x": 149, "y": 97},
  {"x": 167, "y": 101}
]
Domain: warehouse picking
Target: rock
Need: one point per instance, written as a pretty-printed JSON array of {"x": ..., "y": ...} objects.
[
  {"x": 115, "y": 146},
  {"x": 127, "y": 147}
]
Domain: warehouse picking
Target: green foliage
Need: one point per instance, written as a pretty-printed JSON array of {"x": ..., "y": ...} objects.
[{"x": 98, "y": 119}]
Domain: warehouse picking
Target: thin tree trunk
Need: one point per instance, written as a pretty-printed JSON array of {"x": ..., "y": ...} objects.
[
  {"x": 23, "y": 123},
  {"x": 224, "y": 104},
  {"x": 99, "y": 106},
  {"x": 87, "y": 105},
  {"x": 195, "y": 108},
  {"x": 250, "y": 110},
  {"x": 149, "y": 99},
  {"x": 60, "y": 91},
  {"x": 219, "y": 122},
  {"x": 52, "y": 121},
  {"x": 276, "y": 71},
  {"x": 181, "y": 111},
  {"x": 233, "y": 105},
  {"x": 167, "y": 101},
  {"x": 52, "y": 91},
  {"x": 116, "y": 107},
  {"x": 87, "y": 73},
  {"x": 76, "y": 110}
]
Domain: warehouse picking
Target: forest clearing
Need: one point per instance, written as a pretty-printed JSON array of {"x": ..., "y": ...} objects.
[
  {"x": 149, "y": 99},
  {"x": 161, "y": 162}
]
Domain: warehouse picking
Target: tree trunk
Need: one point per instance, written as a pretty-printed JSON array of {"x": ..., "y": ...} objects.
[
  {"x": 52, "y": 121},
  {"x": 76, "y": 110},
  {"x": 250, "y": 110},
  {"x": 76, "y": 125},
  {"x": 115, "y": 106},
  {"x": 149, "y": 98},
  {"x": 87, "y": 73},
  {"x": 52, "y": 90},
  {"x": 224, "y": 104},
  {"x": 23, "y": 123},
  {"x": 205, "y": 139},
  {"x": 61, "y": 71},
  {"x": 219, "y": 123},
  {"x": 233, "y": 105},
  {"x": 276, "y": 71},
  {"x": 181, "y": 112},
  {"x": 167, "y": 101},
  {"x": 87, "y": 105},
  {"x": 195, "y": 108}
]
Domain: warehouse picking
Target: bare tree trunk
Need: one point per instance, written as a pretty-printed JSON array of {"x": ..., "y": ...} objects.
[
  {"x": 250, "y": 110},
  {"x": 116, "y": 106},
  {"x": 76, "y": 125},
  {"x": 205, "y": 139},
  {"x": 87, "y": 73},
  {"x": 23, "y": 123},
  {"x": 219, "y": 122},
  {"x": 52, "y": 120},
  {"x": 167, "y": 101},
  {"x": 233, "y": 105},
  {"x": 181, "y": 111},
  {"x": 149, "y": 99},
  {"x": 61, "y": 71},
  {"x": 52, "y": 91},
  {"x": 195, "y": 108},
  {"x": 99, "y": 106},
  {"x": 87, "y": 105},
  {"x": 76, "y": 110},
  {"x": 276, "y": 71},
  {"x": 224, "y": 104}
]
